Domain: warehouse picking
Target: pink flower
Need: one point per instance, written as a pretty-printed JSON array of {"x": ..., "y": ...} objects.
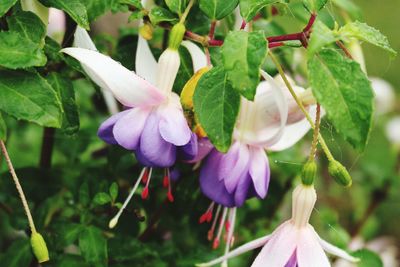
[{"x": 293, "y": 243}]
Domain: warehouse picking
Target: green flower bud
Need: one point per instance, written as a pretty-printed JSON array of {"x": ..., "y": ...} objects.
[
  {"x": 339, "y": 173},
  {"x": 39, "y": 247},
  {"x": 309, "y": 172},
  {"x": 176, "y": 36}
]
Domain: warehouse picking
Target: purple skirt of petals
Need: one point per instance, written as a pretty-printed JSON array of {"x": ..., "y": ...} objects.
[
  {"x": 220, "y": 170},
  {"x": 151, "y": 135}
]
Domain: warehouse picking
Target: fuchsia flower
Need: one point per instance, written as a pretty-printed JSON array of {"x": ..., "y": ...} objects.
[
  {"x": 293, "y": 244},
  {"x": 153, "y": 125}
]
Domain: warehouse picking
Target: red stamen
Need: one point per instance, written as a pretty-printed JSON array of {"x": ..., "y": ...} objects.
[
  {"x": 145, "y": 176},
  {"x": 145, "y": 193},
  {"x": 210, "y": 234},
  {"x": 215, "y": 243},
  {"x": 166, "y": 181},
  {"x": 206, "y": 217},
  {"x": 170, "y": 196},
  {"x": 227, "y": 226}
]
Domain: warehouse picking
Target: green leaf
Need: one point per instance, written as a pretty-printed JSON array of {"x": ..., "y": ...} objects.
[
  {"x": 321, "y": 36},
  {"x": 352, "y": 9},
  {"x": 218, "y": 9},
  {"x": 250, "y": 8},
  {"x": 345, "y": 92},
  {"x": 66, "y": 93},
  {"x": 93, "y": 245},
  {"x": 5, "y": 5},
  {"x": 3, "y": 128},
  {"x": 18, "y": 254},
  {"x": 28, "y": 96},
  {"x": 242, "y": 54},
  {"x": 314, "y": 5},
  {"x": 75, "y": 8},
  {"x": 101, "y": 198},
  {"x": 177, "y": 6},
  {"x": 96, "y": 8},
  {"x": 19, "y": 52},
  {"x": 113, "y": 191},
  {"x": 368, "y": 258},
  {"x": 28, "y": 25},
  {"x": 216, "y": 105},
  {"x": 366, "y": 33},
  {"x": 159, "y": 14}
]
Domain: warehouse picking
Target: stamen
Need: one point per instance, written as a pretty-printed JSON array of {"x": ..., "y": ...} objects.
[
  {"x": 210, "y": 234},
  {"x": 221, "y": 226},
  {"x": 145, "y": 192},
  {"x": 168, "y": 183},
  {"x": 113, "y": 222},
  {"x": 145, "y": 176},
  {"x": 229, "y": 240},
  {"x": 207, "y": 216},
  {"x": 166, "y": 178}
]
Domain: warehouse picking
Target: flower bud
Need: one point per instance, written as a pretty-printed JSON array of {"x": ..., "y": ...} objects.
[
  {"x": 39, "y": 247},
  {"x": 146, "y": 31},
  {"x": 176, "y": 36},
  {"x": 339, "y": 173},
  {"x": 309, "y": 172}
]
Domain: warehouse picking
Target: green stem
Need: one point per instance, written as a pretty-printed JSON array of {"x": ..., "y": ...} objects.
[
  {"x": 186, "y": 13},
  {"x": 314, "y": 145},
  {"x": 301, "y": 106},
  {"x": 19, "y": 187}
]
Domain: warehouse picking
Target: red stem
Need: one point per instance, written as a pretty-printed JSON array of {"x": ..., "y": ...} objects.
[
  {"x": 212, "y": 30},
  {"x": 243, "y": 25}
]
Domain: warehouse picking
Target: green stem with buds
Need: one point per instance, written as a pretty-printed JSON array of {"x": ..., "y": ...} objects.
[
  {"x": 187, "y": 10},
  {"x": 19, "y": 187},
  {"x": 301, "y": 106}
]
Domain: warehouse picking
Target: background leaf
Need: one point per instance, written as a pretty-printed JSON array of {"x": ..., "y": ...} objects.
[
  {"x": 93, "y": 245},
  {"x": 75, "y": 8},
  {"x": 368, "y": 258},
  {"x": 242, "y": 54},
  {"x": 218, "y": 9},
  {"x": 19, "y": 52},
  {"x": 345, "y": 92},
  {"x": 28, "y": 96},
  {"x": 28, "y": 25},
  {"x": 364, "y": 32},
  {"x": 3, "y": 128},
  {"x": 216, "y": 104},
  {"x": 65, "y": 91},
  {"x": 177, "y": 6},
  {"x": 159, "y": 14},
  {"x": 314, "y": 5},
  {"x": 5, "y": 5},
  {"x": 18, "y": 254},
  {"x": 249, "y": 8}
]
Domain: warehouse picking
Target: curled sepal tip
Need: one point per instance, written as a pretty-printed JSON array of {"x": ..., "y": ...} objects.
[
  {"x": 309, "y": 172},
  {"x": 39, "y": 247},
  {"x": 339, "y": 173}
]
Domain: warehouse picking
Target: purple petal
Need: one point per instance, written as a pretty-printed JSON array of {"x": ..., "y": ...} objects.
[
  {"x": 105, "y": 131},
  {"x": 234, "y": 165},
  {"x": 127, "y": 130},
  {"x": 242, "y": 189},
  {"x": 204, "y": 147},
  {"x": 209, "y": 183},
  {"x": 190, "y": 150},
  {"x": 153, "y": 148},
  {"x": 292, "y": 261},
  {"x": 259, "y": 171},
  {"x": 173, "y": 125}
]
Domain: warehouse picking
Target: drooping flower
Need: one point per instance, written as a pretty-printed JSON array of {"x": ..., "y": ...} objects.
[
  {"x": 294, "y": 243},
  {"x": 153, "y": 125}
]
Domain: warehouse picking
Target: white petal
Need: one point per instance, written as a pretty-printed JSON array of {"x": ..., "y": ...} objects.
[
  {"x": 83, "y": 40},
  {"x": 294, "y": 132},
  {"x": 279, "y": 249},
  {"x": 198, "y": 57},
  {"x": 385, "y": 97},
  {"x": 127, "y": 87},
  {"x": 145, "y": 63},
  {"x": 309, "y": 251},
  {"x": 393, "y": 130},
  {"x": 261, "y": 122},
  {"x": 238, "y": 251},
  {"x": 331, "y": 249}
]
